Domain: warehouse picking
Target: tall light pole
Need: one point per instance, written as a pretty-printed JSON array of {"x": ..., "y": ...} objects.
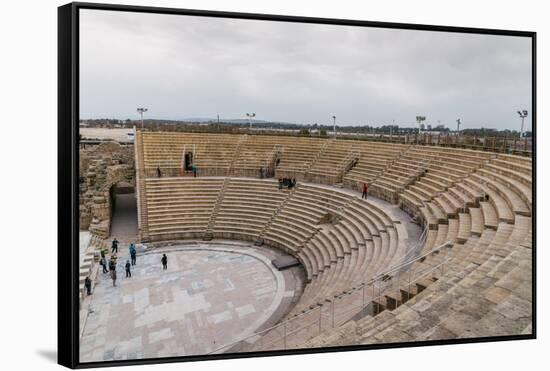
[
  {"x": 141, "y": 110},
  {"x": 419, "y": 120},
  {"x": 334, "y": 124},
  {"x": 458, "y": 126},
  {"x": 523, "y": 115},
  {"x": 250, "y": 117}
]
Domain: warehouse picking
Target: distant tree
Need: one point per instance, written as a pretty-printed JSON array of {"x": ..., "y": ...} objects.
[
  {"x": 323, "y": 132},
  {"x": 304, "y": 131},
  {"x": 419, "y": 120}
]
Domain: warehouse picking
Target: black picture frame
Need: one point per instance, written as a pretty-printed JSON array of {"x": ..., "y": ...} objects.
[{"x": 68, "y": 162}]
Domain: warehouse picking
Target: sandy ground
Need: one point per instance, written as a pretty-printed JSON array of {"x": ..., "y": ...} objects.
[{"x": 100, "y": 133}]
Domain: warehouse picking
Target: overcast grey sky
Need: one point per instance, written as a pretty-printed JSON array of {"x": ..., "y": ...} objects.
[{"x": 182, "y": 67}]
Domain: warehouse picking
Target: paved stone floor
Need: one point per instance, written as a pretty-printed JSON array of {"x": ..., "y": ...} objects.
[{"x": 210, "y": 295}]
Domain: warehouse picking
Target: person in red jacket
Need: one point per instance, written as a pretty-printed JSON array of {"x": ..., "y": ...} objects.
[{"x": 365, "y": 191}]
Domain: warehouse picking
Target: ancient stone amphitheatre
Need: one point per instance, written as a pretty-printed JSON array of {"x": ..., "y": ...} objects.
[{"x": 440, "y": 249}]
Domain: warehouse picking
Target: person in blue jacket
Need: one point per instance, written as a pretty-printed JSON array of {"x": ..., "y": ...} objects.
[{"x": 133, "y": 253}]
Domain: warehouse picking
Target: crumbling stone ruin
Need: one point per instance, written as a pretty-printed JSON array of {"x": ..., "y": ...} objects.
[{"x": 102, "y": 168}]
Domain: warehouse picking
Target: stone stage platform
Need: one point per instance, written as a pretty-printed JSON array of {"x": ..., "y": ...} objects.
[{"x": 211, "y": 294}]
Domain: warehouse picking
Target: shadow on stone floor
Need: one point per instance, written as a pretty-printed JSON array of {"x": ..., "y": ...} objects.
[{"x": 50, "y": 355}]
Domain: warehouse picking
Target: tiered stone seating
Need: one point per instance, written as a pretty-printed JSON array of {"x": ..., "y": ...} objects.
[
  {"x": 373, "y": 160},
  {"x": 327, "y": 230},
  {"x": 442, "y": 170},
  {"x": 213, "y": 153},
  {"x": 180, "y": 208},
  {"x": 479, "y": 203},
  {"x": 246, "y": 208},
  {"x": 298, "y": 155},
  {"x": 320, "y": 160},
  {"x": 361, "y": 241},
  {"x": 435, "y": 197},
  {"x": 486, "y": 291},
  {"x": 402, "y": 172},
  {"x": 475, "y": 291},
  {"x": 485, "y": 286},
  {"x": 329, "y": 165},
  {"x": 512, "y": 182},
  {"x": 254, "y": 153},
  {"x": 340, "y": 239}
]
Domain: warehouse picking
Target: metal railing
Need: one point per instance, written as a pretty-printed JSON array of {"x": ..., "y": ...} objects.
[
  {"x": 409, "y": 254},
  {"x": 365, "y": 299}
]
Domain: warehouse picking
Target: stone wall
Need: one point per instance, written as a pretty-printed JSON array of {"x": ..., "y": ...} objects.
[{"x": 101, "y": 167}]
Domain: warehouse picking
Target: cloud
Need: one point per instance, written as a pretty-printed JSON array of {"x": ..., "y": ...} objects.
[{"x": 184, "y": 66}]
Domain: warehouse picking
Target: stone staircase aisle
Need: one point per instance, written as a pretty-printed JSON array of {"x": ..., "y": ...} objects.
[
  {"x": 236, "y": 154},
  {"x": 324, "y": 147},
  {"x": 212, "y": 220},
  {"x": 259, "y": 240}
]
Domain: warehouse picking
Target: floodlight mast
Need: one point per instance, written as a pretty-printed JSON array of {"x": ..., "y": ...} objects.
[
  {"x": 419, "y": 120},
  {"x": 250, "y": 117},
  {"x": 458, "y": 126},
  {"x": 334, "y": 124},
  {"x": 523, "y": 115},
  {"x": 141, "y": 110}
]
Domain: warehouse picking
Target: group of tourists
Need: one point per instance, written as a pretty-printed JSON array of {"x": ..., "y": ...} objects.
[
  {"x": 109, "y": 266},
  {"x": 287, "y": 182}
]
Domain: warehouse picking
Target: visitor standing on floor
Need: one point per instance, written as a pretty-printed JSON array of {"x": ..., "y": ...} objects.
[
  {"x": 133, "y": 253},
  {"x": 365, "y": 191},
  {"x": 128, "y": 273},
  {"x": 112, "y": 265},
  {"x": 88, "y": 285},
  {"x": 194, "y": 168},
  {"x": 159, "y": 174},
  {"x": 113, "y": 276},
  {"x": 114, "y": 246},
  {"x": 103, "y": 263},
  {"x": 164, "y": 261}
]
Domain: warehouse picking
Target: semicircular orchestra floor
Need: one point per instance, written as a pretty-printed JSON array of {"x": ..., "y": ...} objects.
[{"x": 210, "y": 295}]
